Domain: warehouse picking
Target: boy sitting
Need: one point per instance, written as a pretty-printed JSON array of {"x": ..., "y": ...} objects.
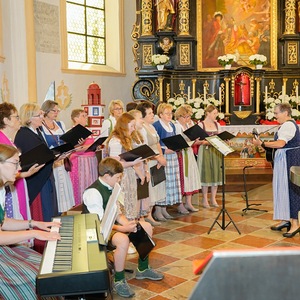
[{"x": 95, "y": 199}]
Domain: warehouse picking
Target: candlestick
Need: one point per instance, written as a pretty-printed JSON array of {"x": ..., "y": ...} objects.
[
  {"x": 266, "y": 92},
  {"x": 189, "y": 91},
  {"x": 220, "y": 94}
]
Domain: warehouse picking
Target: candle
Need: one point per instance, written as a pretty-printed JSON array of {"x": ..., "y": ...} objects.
[
  {"x": 220, "y": 94},
  {"x": 283, "y": 91},
  {"x": 204, "y": 93},
  {"x": 189, "y": 91},
  {"x": 297, "y": 94},
  {"x": 266, "y": 92}
]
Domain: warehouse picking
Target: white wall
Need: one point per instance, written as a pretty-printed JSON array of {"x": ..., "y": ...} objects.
[{"x": 48, "y": 66}]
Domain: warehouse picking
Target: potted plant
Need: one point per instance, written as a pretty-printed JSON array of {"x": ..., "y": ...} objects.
[
  {"x": 159, "y": 60},
  {"x": 226, "y": 60},
  {"x": 258, "y": 60}
]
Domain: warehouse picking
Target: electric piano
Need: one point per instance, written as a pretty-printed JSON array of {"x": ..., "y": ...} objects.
[{"x": 77, "y": 264}]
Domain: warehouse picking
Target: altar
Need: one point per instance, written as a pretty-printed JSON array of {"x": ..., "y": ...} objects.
[{"x": 246, "y": 153}]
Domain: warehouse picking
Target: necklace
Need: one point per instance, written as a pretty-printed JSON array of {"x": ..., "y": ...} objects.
[{"x": 51, "y": 128}]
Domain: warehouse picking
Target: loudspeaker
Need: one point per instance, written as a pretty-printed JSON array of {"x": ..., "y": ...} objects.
[{"x": 262, "y": 274}]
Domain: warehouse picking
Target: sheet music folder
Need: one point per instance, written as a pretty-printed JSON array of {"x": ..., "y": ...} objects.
[
  {"x": 142, "y": 242},
  {"x": 143, "y": 151},
  {"x": 75, "y": 134},
  {"x": 98, "y": 142},
  {"x": 225, "y": 135},
  {"x": 157, "y": 175},
  {"x": 176, "y": 142},
  {"x": 196, "y": 132},
  {"x": 40, "y": 154}
]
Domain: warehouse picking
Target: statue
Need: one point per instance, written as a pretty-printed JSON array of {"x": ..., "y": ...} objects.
[{"x": 165, "y": 11}]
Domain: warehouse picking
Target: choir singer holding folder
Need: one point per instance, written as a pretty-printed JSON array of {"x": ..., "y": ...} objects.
[{"x": 210, "y": 159}]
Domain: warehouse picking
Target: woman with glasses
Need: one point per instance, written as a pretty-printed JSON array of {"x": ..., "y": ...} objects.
[
  {"x": 19, "y": 265},
  {"x": 84, "y": 164},
  {"x": 17, "y": 201},
  {"x": 41, "y": 186},
  {"x": 116, "y": 108},
  {"x": 52, "y": 130},
  {"x": 189, "y": 174}
]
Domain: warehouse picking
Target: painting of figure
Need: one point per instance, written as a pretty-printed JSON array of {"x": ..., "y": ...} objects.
[{"x": 240, "y": 27}]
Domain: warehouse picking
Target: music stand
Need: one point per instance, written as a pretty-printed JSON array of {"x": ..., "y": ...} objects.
[{"x": 224, "y": 149}]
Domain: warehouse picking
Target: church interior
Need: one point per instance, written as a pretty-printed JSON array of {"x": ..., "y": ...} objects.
[{"x": 197, "y": 37}]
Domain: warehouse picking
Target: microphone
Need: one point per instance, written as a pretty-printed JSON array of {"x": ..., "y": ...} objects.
[{"x": 255, "y": 133}]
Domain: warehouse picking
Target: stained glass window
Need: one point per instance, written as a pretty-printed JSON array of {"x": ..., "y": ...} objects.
[{"x": 86, "y": 31}]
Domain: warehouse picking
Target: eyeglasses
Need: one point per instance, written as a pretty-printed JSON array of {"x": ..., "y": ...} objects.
[
  {"x": 168, "y": 114},
  {"x": 185, "y": 117},
  {"x": 17, "y": 164},
  {"x": 17, "y": 117},
  {"x": 38, "y": 116},
  {"x": 118, "y": 108},
  {"x": 55, "y": 110}
]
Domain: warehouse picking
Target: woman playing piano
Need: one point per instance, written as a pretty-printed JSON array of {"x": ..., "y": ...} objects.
[{"x": 19, "y": 265}]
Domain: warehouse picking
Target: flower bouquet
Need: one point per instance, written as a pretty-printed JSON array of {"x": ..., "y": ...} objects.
[
  {"x": 198, "y": 106},
  {"x": 226, "y": 59},
  {"x": 257, "y": 60},
  {"x": 159, "y": 59}
]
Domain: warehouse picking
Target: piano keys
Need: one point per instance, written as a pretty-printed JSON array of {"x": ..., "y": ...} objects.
[{"x": 76, "y": 264}]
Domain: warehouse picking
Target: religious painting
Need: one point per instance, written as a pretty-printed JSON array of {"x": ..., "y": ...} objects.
[{"x": 239, "y": 27}]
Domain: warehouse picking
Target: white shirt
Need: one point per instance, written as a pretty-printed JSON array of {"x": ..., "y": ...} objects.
[
  {"x": 286, "y": 131},
  {"x": 107, "y": 126}
]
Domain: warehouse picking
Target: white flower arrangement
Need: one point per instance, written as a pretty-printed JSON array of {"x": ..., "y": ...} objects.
[
  {"x": 226, "y": 59},
  {"x": 271, "y": 102},
  {"x": 159, "y": 59},
  {"x": 198, "y": 106},
  {"x": 257, "y": 59}
]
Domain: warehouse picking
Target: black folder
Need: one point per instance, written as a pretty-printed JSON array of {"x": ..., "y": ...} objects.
[
  {"x": 157, "y": 175},
  {"x": 142, "y": 242},
  {"x": 196, "y": 132},
  {"x": 143, "y": 151},
  {"x": 142, "y": 189},
  {"x": 225, "y": 135},
  {"x": 176, "y": 142},
  {"x": 40, "y": 154},
  {"x": 75, "y": 134},
  {"x": 62, "y": 148},
  {"x": 98, "y": 142}
]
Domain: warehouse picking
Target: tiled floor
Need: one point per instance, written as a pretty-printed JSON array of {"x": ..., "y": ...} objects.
[{"x": 185, "y": 239}]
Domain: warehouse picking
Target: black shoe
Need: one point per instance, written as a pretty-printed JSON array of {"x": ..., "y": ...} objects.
[
  {"x": 284, "y": 225},
  {"x": 291, "y": 234}
]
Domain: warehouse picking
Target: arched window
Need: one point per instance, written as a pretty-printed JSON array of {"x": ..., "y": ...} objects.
[{"x": 92, "y": 35}]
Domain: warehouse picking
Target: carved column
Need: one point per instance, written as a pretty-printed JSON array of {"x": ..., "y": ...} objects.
[
  {"x": 290, "y": 17},
  {"x": 257, "y": 80},
  {"x": 227, "y": 79},
  {"x": 146, "y": 9},
  {"x": 183, "y": 18}
]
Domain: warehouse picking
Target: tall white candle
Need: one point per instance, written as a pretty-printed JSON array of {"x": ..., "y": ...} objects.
[
  {"x": 266, "y": 92},
  {"x": 220, "y": 94},
  {"x": 297, "y": 94},
  {"x": 283, "y": 91},
  {"x": 204, "y": 93},
  {"x": 189, "y": 92}
]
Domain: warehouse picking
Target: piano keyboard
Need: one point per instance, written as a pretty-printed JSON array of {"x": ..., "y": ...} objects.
[{"x": 76, "y": 264}]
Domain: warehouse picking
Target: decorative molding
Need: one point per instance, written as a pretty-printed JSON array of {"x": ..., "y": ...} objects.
[
  {"x": 290, "y": 17},
  {"x": 147, "y": 10},
  {"x": 184, "y": 54},
  {"x": 292, "y": 53},
  {"x": 147, "y": 54},
  {"x": 184, "y": 17}
]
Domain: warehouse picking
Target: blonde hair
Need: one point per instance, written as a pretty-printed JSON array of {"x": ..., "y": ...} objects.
[
  {"x": 210, "y": 108},
  {"x": 112, "y": 104},
  {"x": 136, "y": 135},
  {"x": 27, "y": 111},
  {"x": 76, "y": 113},
  {"x": 162, "y": 107},
  {"x": 182, "y": 111}
]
